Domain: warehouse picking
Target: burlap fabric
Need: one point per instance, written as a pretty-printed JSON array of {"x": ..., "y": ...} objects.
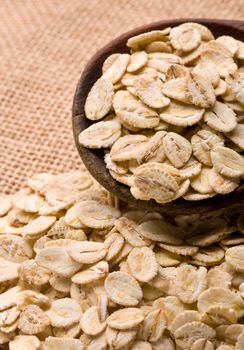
[{"x": 44, "y": 45}]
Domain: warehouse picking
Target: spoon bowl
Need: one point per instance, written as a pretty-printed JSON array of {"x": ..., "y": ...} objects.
[{"x": 93, "y": 159}]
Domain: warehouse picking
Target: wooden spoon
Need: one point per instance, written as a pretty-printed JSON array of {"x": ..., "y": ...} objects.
[{"x": 93, "y": 159}]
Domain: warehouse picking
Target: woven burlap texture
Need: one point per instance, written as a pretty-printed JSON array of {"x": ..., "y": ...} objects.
[{"x": 44, "y": 45}]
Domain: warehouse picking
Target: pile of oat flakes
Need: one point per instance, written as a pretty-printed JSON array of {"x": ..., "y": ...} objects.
[
  {"x": 79, "y": 270},
  {"x": 172, "y": 113}
]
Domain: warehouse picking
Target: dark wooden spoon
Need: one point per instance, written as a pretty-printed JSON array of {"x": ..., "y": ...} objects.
[{"x": 93, "y": 159}]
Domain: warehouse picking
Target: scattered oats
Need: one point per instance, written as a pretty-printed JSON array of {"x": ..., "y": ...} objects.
[
  {"x": 123, "y": 289},
  {"x": 122, "y": 254},
  {"x": 26, "y": 342},
  {"x": 52, "y": 343},
  {"x": 18, "y": 218},
  {"x": 207, "y": 232},
  {"x": 87, "y": 252},
  {"x": 183, "y": 318},
  {"x": 150, "y": 293},
  {"x": 130, "y": 231},
  {"x": 72, "y": 331},
  {"x": 241, "y": 289},
  {"x": 31, "y": 203},
  {"x": 153, "y": 326},
  {"x": 143, "y": 264},
  {"x": 33, "y": 320},
  {"x": 166, "y": 259},
  {"x": 57, "y": 260},
  {"x": 235, "y": 257},
  {"x": 141, "y": 345},
  {"x": 187, "y": 334},
  {"x": 240, "y": 341},
  {"x": 5, "y": 338},
  {"x": 28, "y": 297},
  {"x": 71, "y": 217},
  {"x": 202, "y": 344},
  {"x": 190, "y": 282},
  {"x": 118, "y": 339},
  {"x": 220, "y": 296},
  {"x": 161, "y": 231},
  {"x": 115, "y": 243},
  {"x": 9, "y": 298},
  {"x": 5, "y": 204},
  {"x": 97, "y": 215},
  {"x": 126, "y": 318},
  {"x": 90, "y": 323},
  {"x": 64, "y": 312},
  {"x": 93, "y": 273},
  {"x": 221, "y": 88},
  {"x": 60, "y": 284},
  {"x": 224, "y": 346},
  {"x": 221, "y": 118},
  {"x": 218, "y": 314},
  {"x": 38, "y": 226},
  {"x": 156, "y": 182},
  {"x": 218, "y": 278},
  {"x": 171, "y": 305},
  {"x": 8, "y": 270},
  {"x": 164, "y": 343},
  {"x": 177, "y": 149}
]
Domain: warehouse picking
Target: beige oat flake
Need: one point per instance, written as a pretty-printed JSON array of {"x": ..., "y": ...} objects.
[
  {"x": 143, "y": 264},
  {"x": 126, "y": 318},
  {"x": 100, "y": 135},
  {"x": 123, "y": 289},
  {"x": 99, "y": 100}
]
